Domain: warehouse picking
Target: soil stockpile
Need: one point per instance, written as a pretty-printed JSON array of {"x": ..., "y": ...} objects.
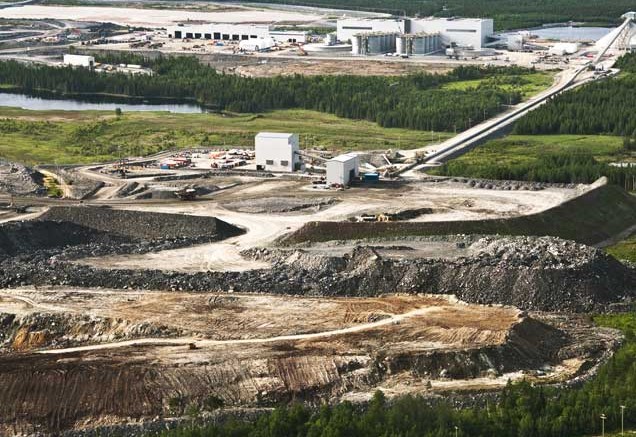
[{"x": 18, "y": 180}]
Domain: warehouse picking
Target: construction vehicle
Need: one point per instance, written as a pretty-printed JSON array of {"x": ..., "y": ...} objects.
[{"x": 187, "y": 194}]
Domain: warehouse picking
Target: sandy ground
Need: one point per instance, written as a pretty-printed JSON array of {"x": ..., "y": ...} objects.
[
  {"x": 312, "y": 67},
  {"x": 224, "y": 319},
  {"x": 154, "y": 17}
]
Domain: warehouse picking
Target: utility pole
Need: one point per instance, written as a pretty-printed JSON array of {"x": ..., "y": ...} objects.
[
  {"x": 603, "y": 417},
  {"x": 622, "y": 420}
]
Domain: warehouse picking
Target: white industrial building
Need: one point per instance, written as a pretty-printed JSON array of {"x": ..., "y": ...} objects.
[
  {"x": 463, "y": 32},
  {"x": 278, "y": 152},
  {"x": 79, "y": 61},
  {"x": 234, "y": 32},
  {"x": 342, "y": 169},
  {"x": 470, "y": 33},
  {"x": 289, "y": 36},
  {"x": 347, "y": 28}
]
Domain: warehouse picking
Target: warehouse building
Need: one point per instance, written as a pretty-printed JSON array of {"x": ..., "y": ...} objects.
[
  {"x": 470, "y": 33},
  {"x": 278, "y": 152},
  {"x": 342, "y": 169},
  {"x": 79, "y": 61},
  {"x": 234, "y": 32},
  {"x": 219, "y": 31},
  {"x": 462, "y": 32}
]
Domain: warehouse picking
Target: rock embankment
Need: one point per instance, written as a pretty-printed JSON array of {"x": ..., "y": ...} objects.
[
  {"x": 142, "y": 225},
  {"x": 73, "y": 232},
  {"x": 530, "y": 273}
]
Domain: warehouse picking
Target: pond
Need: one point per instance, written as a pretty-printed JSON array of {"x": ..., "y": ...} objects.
[{"x": 47, "y": 102}]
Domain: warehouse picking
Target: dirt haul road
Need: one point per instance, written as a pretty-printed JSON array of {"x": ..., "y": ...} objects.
[
  {"x": 395, "y": 319},
  {"x": 447, "y": 200}
]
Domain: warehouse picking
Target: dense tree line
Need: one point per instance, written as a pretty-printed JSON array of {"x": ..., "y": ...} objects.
[
  {"x": 508, "y": 14},
  {"x": 560, "y": 167},
  {"x": 602, "y": 107},
  {"x": 416, "y": 101},
  {"x": 523, "y": 410}
]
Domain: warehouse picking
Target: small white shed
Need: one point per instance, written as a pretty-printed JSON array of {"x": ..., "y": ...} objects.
[
  {"x": 277, "y": 152},
  {"x": 342, "y": 169},
  {"x": 79, "y": 60}
]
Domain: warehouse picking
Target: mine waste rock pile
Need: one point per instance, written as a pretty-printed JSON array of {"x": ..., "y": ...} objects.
[
  {"x": 18, "y": 180},
  {"x": 72, "y": 232},
  {"x": 531, "y": 273}
]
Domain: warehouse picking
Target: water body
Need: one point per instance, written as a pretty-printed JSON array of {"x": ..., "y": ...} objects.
[
  {"x": 44, "y": 103},
  {"x": 567, "y": 33}
]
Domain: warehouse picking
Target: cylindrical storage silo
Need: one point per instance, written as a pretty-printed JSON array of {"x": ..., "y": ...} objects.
[{"x": 400, "y": 46}]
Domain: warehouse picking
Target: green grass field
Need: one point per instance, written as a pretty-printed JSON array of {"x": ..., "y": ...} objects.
[
  {"x": 522, "y": 149},
  {"x": 68, "y": 137},
  {"x": 624, "y": 250},
  {"x": 528, "y": 85}
]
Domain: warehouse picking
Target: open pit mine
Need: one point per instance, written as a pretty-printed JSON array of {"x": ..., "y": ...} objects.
[{"x": 117, "y": 312}]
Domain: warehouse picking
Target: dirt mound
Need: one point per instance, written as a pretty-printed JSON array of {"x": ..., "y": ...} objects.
[
  {"x": 143, "y": 225},
  {"x": 541, "y": 273},
  {"x": 72, "y": 232},
  {"x": 21, "y": 238}
]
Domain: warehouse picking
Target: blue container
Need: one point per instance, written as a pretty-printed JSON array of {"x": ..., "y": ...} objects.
[{"x": 371, "y": 177}]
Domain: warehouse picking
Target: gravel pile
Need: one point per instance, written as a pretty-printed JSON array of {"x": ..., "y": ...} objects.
[
  {"x": 18, "y": 180},
  {"x": 545, "y": 274},
  {"x": 267, "y": 205},
  {"x": 510, "y": 185}
]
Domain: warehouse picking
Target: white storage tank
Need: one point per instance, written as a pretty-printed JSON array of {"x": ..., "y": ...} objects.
[{"x": 342, "y": 169}]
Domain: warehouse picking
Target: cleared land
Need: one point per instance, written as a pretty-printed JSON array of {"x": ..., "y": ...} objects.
[
  {"x": 155, "y": 17},
  {"x": 91, "y": 136},
  {"x": 251, "y": 351}
]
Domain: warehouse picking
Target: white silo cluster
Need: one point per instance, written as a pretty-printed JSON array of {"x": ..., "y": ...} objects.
[
  {"x": 375, "y": 43},
  {"x": 418, "y": 44}
]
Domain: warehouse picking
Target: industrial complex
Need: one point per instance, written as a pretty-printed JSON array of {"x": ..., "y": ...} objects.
[
  {"x": 368, "y": 36},
  {"x": 216, "y": 263},
  {"x": 413, "y": 36}
]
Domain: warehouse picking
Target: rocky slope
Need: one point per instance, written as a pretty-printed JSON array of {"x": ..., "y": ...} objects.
[{"x": 530, "y": 273}]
